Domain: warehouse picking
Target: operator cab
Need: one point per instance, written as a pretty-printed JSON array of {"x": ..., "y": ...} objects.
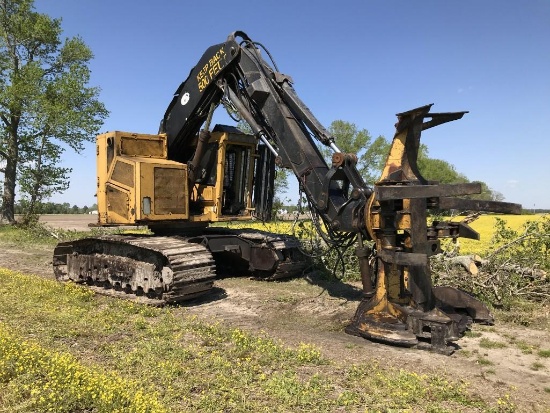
[{"x": 224, "y": 187}]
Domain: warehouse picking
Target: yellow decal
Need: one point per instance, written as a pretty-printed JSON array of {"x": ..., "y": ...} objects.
[{"x": 211, "y": 69}]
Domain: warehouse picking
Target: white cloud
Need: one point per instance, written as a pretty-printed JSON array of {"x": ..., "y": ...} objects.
[{"x": 512, "y": 183}]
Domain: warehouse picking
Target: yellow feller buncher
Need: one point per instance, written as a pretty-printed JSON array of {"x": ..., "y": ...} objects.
[{"x": 188, "y": 176}]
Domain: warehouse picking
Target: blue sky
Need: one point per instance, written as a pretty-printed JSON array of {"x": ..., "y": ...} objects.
[{"x": 359, "y": 61}]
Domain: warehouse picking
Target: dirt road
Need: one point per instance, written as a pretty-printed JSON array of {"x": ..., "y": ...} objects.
[
  {"x": 76, "y": 222},
  {"x": 495, "y": 360}
]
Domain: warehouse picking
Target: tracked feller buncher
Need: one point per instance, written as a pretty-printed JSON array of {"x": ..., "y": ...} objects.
[
  {"x": 139, "y": 183},
  {"x": 186, "y": 177}
]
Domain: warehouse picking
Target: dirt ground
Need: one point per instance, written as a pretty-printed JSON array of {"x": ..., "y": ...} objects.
[{"x": 314, "y": 311}]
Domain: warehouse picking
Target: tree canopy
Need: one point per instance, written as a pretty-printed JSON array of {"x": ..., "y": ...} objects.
[
  {"x": 371, "y": 153},
  {"x": 46, "y": 105},
  {"x": 445, "y": 173}
]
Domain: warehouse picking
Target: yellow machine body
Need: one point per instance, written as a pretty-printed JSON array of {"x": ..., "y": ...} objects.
[{"x": 138, "y": 185}]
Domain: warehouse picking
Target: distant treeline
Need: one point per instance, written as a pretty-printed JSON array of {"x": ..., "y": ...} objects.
[
  {"x": 535, "y": 211},
  {"x": 66, "y": 208},
  {"x": 56, "y": 208},
  {"x": 525, "y": 211}
]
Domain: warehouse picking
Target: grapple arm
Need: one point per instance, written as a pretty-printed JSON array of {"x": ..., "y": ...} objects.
[{"x": 404, "y": 306}]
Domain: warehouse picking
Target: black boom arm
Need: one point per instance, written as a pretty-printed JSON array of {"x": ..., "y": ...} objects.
[{"x": 265, "y": 99}]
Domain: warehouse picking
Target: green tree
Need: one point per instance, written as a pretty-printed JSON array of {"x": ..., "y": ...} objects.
[
  {"x": 487, "y": 193},
  {"x": 437, "y": 169},
  {"x": 445, "y": 173},
  {"x": 41, "y": 178},
  {"x": 45, "y": 103},
  {"x": 371, "y": 153}
]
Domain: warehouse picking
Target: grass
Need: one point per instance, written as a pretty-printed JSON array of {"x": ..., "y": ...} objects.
[
  {"x": 177, "y": 362},
  {"x": 18, "y": 236},
  {"x": 43, "y": 235},
  {"x": 525, "y": 347},
  {"x": 486, "y": 343},
  {"x": 465, "y": 353},
  {"x": 484, "y": 362},
  {"x": 64, "y": 349},
  {"x": 522, "y": 345},
  {"x": 525, "y": 313},
  {"x": 51, "y": 381},
  {"x": 536, "y": 366}
]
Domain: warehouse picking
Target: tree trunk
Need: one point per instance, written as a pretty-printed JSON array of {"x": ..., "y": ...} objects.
[
  {"x": 8, "y": 197},
  {"x": 469, "y": 262},
  {"x": 7, "y": 211}
]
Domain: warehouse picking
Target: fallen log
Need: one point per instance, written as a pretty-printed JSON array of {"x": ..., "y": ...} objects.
[
  {"x": 472, "y": 264},
  {"x": 469, "y": 262}
]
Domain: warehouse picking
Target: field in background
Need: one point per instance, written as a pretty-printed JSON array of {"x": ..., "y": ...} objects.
[{"x": 485, "y": 225}]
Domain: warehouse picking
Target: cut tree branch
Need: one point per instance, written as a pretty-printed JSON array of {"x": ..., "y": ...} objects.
[{"x": 5, "y": 120}]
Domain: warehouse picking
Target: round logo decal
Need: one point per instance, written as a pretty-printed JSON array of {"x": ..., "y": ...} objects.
[{"x": 185, "y": 98}]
